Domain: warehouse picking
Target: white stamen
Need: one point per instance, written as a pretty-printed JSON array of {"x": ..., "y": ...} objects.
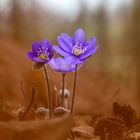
[{"x": 78, "y": 49}]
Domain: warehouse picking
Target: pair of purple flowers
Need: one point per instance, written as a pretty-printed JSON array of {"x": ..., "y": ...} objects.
[{"x": 73, "y": 51}]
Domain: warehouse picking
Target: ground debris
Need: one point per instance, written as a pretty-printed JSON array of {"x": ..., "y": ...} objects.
[
  {"x": 133, "y": 136},
  {"x": 126, "y": 113},
  {"x": 82, "y": 138},
  {"x": 83, "y": 131},
  {"x": 55, "y": 129},
  {"x": 110, "y": 128}
]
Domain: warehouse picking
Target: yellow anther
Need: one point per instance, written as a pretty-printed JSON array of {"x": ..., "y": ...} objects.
[
  {"x": 42, "y": 56},
  {"x": 77, "y": 51}
]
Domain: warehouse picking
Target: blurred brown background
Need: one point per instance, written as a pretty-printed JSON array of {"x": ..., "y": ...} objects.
[{"x": 112, "y": 73}]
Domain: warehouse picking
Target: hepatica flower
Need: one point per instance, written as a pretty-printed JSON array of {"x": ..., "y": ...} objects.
[
  {"x": 63, "y": 65},
  {"x": 41, "y": 52},
  {"x": 75, "y": 47}
]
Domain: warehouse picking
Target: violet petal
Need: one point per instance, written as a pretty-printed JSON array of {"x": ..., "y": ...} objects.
[
  {"x": 35, "y": 46},
  {"x": 87, "y": 53},
  {"x": 66, "y": 40},
  {"x": 31, "y": 55},
  {"x": 79, "y": 36},
  {"x": 60, "y": 51}
]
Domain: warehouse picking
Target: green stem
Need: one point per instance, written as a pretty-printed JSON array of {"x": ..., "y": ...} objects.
[
  {"x": 63, "y": 88},
  {"x": 74, "y": 91},
  {"x": 48, "y": 92}
]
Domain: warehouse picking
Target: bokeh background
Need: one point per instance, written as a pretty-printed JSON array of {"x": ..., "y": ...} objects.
[{"x": 112, "y": 73}]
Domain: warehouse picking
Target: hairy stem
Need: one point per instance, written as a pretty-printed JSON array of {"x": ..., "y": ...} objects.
[
  {"x": 63, "y": 88},
  {"x": 74, "y": 91},
  {"x": 65, "y": 103},
  {"x": 48, "y": 92}
]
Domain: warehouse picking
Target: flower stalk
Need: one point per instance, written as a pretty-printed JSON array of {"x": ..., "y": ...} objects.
[
  {"x": 74, "y": 90},
  {"x": 48, "y": 93},
  {"x": 63, "y": 87}
]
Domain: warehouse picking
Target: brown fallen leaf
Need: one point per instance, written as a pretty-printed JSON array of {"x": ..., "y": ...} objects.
[
  {"x": 133, "y": 136},
  {"x": 82, "y": 138},
  {"x": 55, "y": 129},
  {"x": 84, "y": 131}
]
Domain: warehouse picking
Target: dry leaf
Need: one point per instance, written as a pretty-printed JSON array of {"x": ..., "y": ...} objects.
[
  {"x": 133, "y": 136},
  {"x": 56, "y": 129},
  {"x": 84, "y": 131},
  {"x": 82, "y": 138}
]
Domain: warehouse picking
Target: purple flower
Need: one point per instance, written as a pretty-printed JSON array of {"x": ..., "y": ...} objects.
[
  {"x": 63, "y": 65},
  {"x": 75, "y": 47},
  {"x": 41, "y": 52}
]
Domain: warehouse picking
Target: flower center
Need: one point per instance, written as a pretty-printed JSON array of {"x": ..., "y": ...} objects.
[
  {"x": 44, "y": 56},
  {"x": 78, "y": 49}
]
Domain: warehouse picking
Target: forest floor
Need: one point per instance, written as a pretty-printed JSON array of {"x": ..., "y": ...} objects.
[{"x": 105, "y": 109}]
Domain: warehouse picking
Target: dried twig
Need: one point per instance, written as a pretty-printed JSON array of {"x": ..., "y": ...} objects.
[
  {"x": 26, "y": 99},
  {"x": 36, "y": 113},
  {"x": 23, "y": 92},
  {"x": 30, "y": 104}
]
